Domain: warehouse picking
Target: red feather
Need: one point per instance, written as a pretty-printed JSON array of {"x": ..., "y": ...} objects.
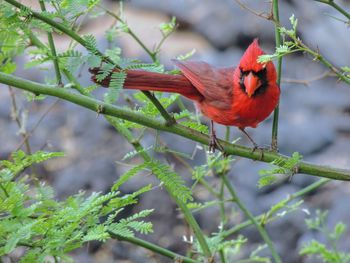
[{"x": 243, "y": 96}]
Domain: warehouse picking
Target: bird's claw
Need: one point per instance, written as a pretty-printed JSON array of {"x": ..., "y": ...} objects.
[
  {"x": 262, "y": 149},
  {"x": 215, "y": 144}
]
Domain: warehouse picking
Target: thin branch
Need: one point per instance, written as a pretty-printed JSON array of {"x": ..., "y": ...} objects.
[
  {"x": 335, "y": 6},
  {"x": 324, "y": 61},
  {"x": 126, "y": 114},
  {"x": 130, "y": 32},
  {"x": 36, "y": 125},
  {"x": 53, "y": 49},
  {"x": 248, "y": 214},
  {"x": 274, "y": 136},
  {"x": 260, "y": 14},
  {"x": 307, "y": 82},
  {"x": 18, "y": 121},
  {"x": 160, "y": 250},
  {"x": 300, "y": 193}
]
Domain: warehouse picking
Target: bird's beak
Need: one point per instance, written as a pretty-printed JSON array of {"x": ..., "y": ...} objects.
[{"x": 251, "y": 83}]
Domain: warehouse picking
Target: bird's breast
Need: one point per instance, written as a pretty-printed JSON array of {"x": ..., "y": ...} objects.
[{"x": 244, "y": 111}]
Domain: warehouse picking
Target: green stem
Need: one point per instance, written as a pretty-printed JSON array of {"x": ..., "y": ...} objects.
[
  {"x": 126, "y": 114},
  {"x": 187, "y": 213},
  {"x": 300, "y": 193},
  {"x": 53, "y": 49},
  {"x": 274, "y": 141},
  {"x": 160, "y": 250},
  {"x": 222, "y": 204},
  {"x": 335, "y": 6},
  {"x": 222, "y": 256},
  {"x": 131, "y": 33},
  {"x": 169, "y": 119},
  {"x": 261, "y": 230},
  {"x": 324, "y": 61}
]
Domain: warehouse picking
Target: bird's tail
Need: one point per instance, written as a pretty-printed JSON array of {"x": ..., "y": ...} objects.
[{"x": 152, "y": 81}]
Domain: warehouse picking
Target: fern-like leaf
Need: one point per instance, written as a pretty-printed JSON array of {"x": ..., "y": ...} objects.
[{"x": 172, "y": 181}]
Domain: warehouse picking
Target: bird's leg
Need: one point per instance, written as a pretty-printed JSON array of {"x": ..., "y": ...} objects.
[
  {"x": 250, "y": 138},
  {"x": 254, "y": 144},
  {"x": 214, "y": 143}
]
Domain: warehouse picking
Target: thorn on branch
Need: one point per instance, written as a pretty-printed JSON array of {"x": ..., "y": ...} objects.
[{"x": 100, "y": 110}]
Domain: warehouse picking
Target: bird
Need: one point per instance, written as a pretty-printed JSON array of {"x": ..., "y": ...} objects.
[{"x": 241, "y": 96}]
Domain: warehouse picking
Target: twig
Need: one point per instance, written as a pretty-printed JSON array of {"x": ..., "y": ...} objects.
[
  {"x": 53, "y": 49},
  {"x": 18, "y": 121},
  {"x": 302, "y": 192},
  {"x": 130, "y": 32},
  {"x": 42, "y": 117},
  {"x": 335, "y": 6},
  {"x": 274, "y": 136},
  {"x": 261, "y": 14},
  {"x": 307, "y": 82},
  {"x": 324, "y": 61},
  {"x": 160, "y": 250},
  {"x": 259, "y": 227}
]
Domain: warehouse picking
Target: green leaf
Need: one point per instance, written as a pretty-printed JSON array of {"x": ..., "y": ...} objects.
[
  {"x": 267, "y": 180},
  {"x": 172, "y": 181},
  {"x": 127, "y": 176},
  {"x": 279, "y": 166},
  {"x": 168, "y": 28},
  {"x": 115, "y": 85}
]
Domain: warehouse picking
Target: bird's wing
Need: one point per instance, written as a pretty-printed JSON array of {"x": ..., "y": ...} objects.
[{"x": 216, "y": 85}]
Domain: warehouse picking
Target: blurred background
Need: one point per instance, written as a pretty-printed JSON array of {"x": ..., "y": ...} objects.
[{"x": 314, "y": 120}]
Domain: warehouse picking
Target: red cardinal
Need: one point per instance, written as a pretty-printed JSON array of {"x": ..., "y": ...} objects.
[{"x": 243, "y": 96}]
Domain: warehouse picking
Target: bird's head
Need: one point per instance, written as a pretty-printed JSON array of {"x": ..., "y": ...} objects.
[{"x": 255, "y": 76}]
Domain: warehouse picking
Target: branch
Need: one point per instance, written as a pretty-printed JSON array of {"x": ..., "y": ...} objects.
[
  {"x": 160, "y": 250},
  {"x": 130, "y": 32},
  {"x": 300, "y": 193},
  {"x": 126, "y": 114},
  {"x": 53, "y": 49},
  {"x": 307, "y": 82},
  {"x": 275, "y": 13},
  {"x": 335, "y": 6},
  {"x": 324, "y": 61}
]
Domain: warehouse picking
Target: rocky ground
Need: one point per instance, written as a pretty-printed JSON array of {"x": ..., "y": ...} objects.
[{"x": 314, "y": 120}]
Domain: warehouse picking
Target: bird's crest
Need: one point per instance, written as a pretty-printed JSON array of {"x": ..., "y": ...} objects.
[{"x": 249, "y": 59}]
